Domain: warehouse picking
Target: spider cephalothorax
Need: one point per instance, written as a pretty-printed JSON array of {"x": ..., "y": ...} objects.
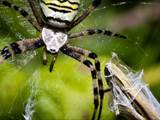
[
  {"x": 53, "y": 40},
  {"x": 56, "y": 19}
]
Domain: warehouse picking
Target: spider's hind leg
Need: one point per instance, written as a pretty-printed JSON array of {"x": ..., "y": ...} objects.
[
  {"x": 36, "y": 13},
  {"x": 91, "y": 7},
  {"x": 21, "y": 12}
]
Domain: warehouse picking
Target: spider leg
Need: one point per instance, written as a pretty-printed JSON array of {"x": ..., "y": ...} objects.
[
  {"x": 93, "y": 56},
  {"x": 23, "y": 46},
  {"x": 44, "y": 56},
  {"x": 100, "y": 83},
  {"x": 53, "y": 59},
  {"x": 89, "y": 32},
  {"x": 53, "y": 62},
  {"x": 70, "y": 52},
  {"x": 107, "y": 90},
  {"x": 91, "y": 8},
  {"x": 22, "y": 12},
  {"x": 36, "y": 13},
  {"x": 20, "y": 47}
]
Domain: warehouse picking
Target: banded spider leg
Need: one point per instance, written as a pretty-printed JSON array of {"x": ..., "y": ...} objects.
[{"x": 81, "y": 55}]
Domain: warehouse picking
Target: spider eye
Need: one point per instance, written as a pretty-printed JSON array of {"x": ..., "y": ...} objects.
[{"x": 52, "y": 50}]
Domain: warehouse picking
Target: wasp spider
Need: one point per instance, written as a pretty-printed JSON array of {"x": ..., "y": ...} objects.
[{"x": 54, "y": 20}]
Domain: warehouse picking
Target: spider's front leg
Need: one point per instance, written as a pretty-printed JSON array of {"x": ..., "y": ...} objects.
[
  {"x": 80, "y": 55},
  {"x": 93, "y": 56},
  {"x": 95, "y": 3}
]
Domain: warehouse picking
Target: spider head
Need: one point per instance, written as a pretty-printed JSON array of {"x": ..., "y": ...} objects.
[
  {"x": 53, "y": 40},
  {"x": 59, "y": 13}
]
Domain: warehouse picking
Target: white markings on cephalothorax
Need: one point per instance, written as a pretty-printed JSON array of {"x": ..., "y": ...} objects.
[{"x": 53, "y": 40}]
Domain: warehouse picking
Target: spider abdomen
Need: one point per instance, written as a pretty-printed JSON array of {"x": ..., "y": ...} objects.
[{"x": 59, "y": 13}]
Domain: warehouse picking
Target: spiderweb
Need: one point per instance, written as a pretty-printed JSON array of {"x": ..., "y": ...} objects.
[{"x": 29, "y": 91}]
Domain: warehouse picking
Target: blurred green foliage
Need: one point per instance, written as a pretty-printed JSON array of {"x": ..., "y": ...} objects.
[{"x": 67, "y": 92}]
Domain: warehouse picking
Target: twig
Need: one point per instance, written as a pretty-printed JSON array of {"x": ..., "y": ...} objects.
[{"x": 130, "y": 95}]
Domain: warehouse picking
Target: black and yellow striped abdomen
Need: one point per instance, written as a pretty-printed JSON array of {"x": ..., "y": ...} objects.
[{"x": 59, "y": 13}]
